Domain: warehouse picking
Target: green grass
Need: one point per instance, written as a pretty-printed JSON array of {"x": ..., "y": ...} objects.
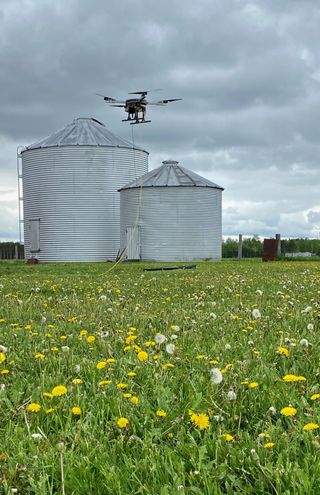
[{"x": 49, "y": 310}]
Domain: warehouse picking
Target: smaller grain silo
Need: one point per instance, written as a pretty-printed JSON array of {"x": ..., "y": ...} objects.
[{"x": 171, "y": 214}]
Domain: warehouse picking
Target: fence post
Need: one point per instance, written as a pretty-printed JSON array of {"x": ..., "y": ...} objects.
[
  {"x": 278, "y": 239},
  {"x": 240, "y": 247}
]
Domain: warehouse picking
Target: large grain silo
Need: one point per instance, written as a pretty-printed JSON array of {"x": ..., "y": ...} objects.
[
  {"x": 70, "y": 188},
  {"x": 171, "y": 214}
]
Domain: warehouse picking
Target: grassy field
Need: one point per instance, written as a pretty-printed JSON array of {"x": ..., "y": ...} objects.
[{"x": 123, "y": 381}]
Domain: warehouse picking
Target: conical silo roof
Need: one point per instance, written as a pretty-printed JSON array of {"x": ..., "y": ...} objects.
[
  {"x": 82, "y": 132},
  {"x": 170, "y": 174}
]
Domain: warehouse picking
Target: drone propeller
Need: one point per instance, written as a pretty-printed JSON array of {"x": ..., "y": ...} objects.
[
  {"x": 164, "y": 102},
  {"x": 144, "y": 92},
  {"x": 106, "y": 98}
]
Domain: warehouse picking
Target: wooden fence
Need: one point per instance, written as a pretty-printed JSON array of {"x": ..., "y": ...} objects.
[{"x": 11, "y": 251}]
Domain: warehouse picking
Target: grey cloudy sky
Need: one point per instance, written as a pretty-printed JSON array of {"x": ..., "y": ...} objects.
[{"x": 248, "y": 73}]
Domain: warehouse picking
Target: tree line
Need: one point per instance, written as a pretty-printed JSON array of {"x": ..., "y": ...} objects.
[{"x": 252, "y": 247}]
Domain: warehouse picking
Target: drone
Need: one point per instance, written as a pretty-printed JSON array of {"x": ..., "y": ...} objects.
[{"x": 136, "y": 107}]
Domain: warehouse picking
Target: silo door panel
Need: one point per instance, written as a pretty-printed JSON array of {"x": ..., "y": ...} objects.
[
  {"x": 133, "y": 243},
  {"x": 34, "y": 235}
]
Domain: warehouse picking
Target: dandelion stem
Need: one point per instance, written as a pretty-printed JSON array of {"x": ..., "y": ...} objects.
[{"x": 62, "y": 475}]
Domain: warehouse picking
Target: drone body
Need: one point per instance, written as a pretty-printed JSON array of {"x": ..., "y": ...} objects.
[{"x": 136, "y": 107}]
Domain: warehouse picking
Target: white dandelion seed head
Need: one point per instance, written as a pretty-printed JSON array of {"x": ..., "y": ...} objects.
[
  {"x": 104, "y": 334},
  {"x": 65, "y": 348},
  {"x": 2, "y": 387},
  {"x": 272, "y": 410},
  {"x": 43, "y": 319},
  {"x": 36, "y": 436},
  {"x": 259, "y": 292},
  {"x": 310, "y": 327},
  {"x": 103, "y": 297},
  {"x": 304, "y": 342},
  {"x": 231, "y": 395},
  {"x": 160, "y": 338},
  {"x": 213, "y": 316},
  {"x": 308, "y": 309},
  {"x": 3, "y": 348},
  {"x": 227, "y": 347},
  {"x": 170, "y": 348},
  {"x": 256, "y": 313},
  {"x": 219, "y": 418},
  {"x": 215, "y": 376},
  {"x": 174, "y": 336}
]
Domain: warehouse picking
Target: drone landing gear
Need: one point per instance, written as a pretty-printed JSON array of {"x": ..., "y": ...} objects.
[{"x": 140, "y": 122}]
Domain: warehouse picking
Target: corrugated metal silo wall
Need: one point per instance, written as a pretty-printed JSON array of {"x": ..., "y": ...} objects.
[
  {"x": 73, "y": 190},
  {"x": 177, "y": 223}
]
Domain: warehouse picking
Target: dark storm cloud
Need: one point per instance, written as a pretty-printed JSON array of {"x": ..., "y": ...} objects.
[{"x": 248, "y": 73}]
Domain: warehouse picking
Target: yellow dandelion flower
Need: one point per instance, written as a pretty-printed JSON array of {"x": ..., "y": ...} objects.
[
  {"x": 253, "y": 385},
  {"x": 122, "y": 422},
  {"x": 39, "y": 355},
  {"x": 101, "y": 364},
  {"x": 200, "y": 356},
  {"x": 315, "y": 396},
  {"x": 214, "y": 361},
  {"x": 130, "y": 339},
  {"x": 264, "y": 435},
  {"x": 49, "y": 410},
  {"x": 4, "y": 372},
  {"x": 76, "y": 411},
  {"x": 293, "y": 378},
  {"x": 33, "y": 407},
  {"x": 288, "y": 411},
  {"x": 127, "y": 348},
  {"x": 59, "y": 390},
  {"x": 2, "y": 357},
  {"x": 54, "y": 349},
  {"x": 228, "y": 437},
  {"x": 83, "y": 333},
  {"x": 122, "y": 385},
  {"x": 143, "y": 355},
  {"x": 132, "y": 373},
  {"x": 161, "y": 413},
  {"x": 150, "y": 343},
  {"x": 283, "y": 351},
  {"x": 134, "y": 400},
  {"x": 77, "y": 381},
  {"x": 268, "y": 445},
  {"x": 311, "y": 426},
  {"x": 111, "y": 360},
  {"x": 137, "y": 348},
  {"x": 168, "y": 365},
  {"x": 104, "y": 382},
  {"x": 127, "y": 395},
  {"x": 200, "y": 420},
  {"x": 91, "y": 338}
]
